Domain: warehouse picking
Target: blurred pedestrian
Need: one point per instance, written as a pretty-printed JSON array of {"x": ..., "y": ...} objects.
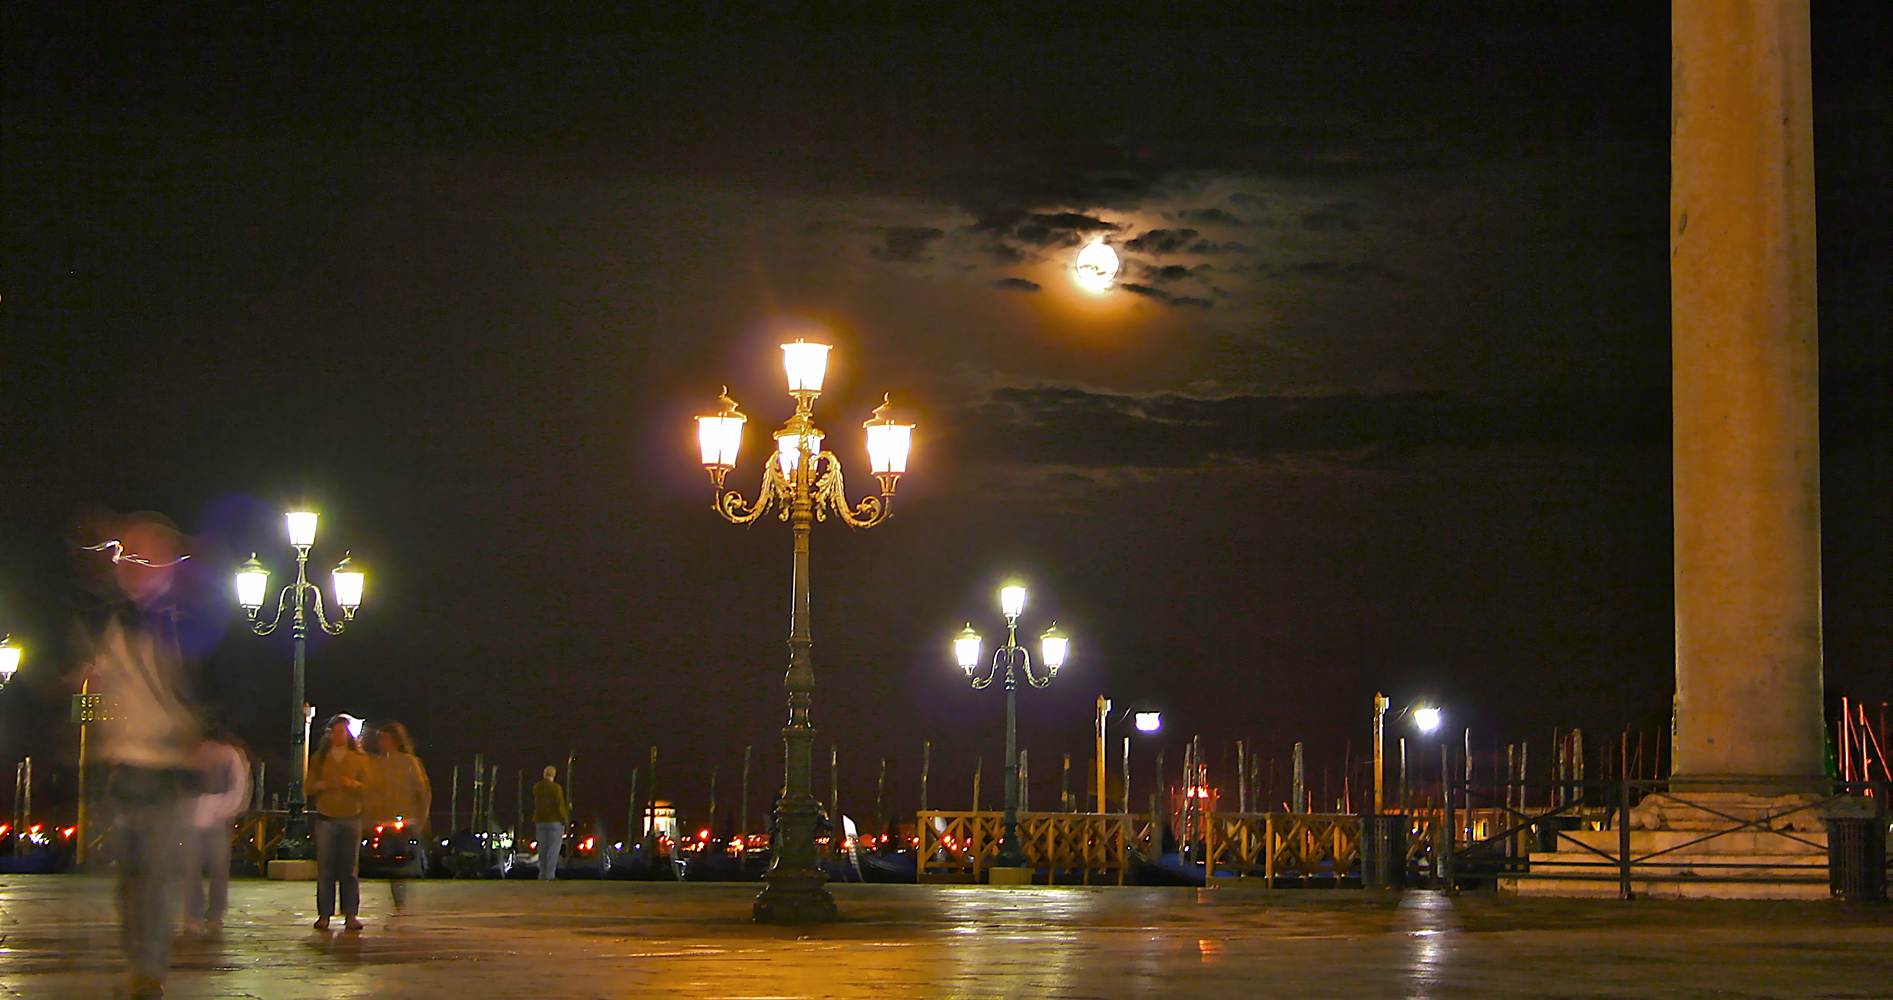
[
  {"x": 224, "y": 795},
  {"x": 338, "y": 775},
  {"x": 148, "y": 737},
  {"x": 400, "y": 797},
  {"x": 550, "y": 814}
]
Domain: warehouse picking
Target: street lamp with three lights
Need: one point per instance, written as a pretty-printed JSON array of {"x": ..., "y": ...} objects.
[
  {"x": 1010, "y": 662},
  {"x": 803, "y": 483},
  {"x": 299, "y": 599}
]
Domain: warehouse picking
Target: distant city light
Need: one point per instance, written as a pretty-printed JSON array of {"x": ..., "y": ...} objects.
[{"x": 1149, "y": 722}]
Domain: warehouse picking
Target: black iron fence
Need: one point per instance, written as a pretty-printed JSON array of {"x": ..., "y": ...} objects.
[{"x": 1710, "y": 831}]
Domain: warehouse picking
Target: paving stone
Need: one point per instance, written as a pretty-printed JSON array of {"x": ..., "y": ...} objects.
[{"x": 613, "y": 940}]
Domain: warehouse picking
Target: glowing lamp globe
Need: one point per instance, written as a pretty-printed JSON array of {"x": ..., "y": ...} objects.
[
  {"x": 252, "y": 584},
  {"x": 966, "y": 648},
  {"x": 1052, "y": 647},
  {"x": 349, "y": 581},
  {"x": 888, "y": 441},
  {"x": 10, "y": 654},
  {"x": 1149, "y": 722},
  {"x": 805, "y": 364},
  {"x": 789, "y": 448},
  {"x": 1095, "y": 267},
  {"x": 721, "y": 435},
  {"x": 302, "y": 528},
  {"x": 1012, "y": 601},
  {"x": 1426, "y": 719}
]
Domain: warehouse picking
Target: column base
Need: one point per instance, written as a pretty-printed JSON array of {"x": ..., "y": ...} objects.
[
  {"x": 795, "y": 900},
  {"x": 292, "y": 870},
  {"x": 1008, "y": 876}
]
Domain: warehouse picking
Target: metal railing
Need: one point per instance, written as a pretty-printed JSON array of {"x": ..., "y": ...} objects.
[{"x": 1603, "y": 807}]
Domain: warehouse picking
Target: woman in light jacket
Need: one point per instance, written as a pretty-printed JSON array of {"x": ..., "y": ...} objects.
[
  {"x": 338, "y": 775},
  {"x": 399, "y": 793}
]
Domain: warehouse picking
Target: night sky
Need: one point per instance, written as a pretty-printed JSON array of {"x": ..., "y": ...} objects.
[{"x": 1381, "y": 400}]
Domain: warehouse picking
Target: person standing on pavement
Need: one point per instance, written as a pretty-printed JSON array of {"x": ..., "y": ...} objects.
[
  {"x": 400, "y": 796},
  {"x": 550, "y": 814},
  {"x": 338, "y": 775},
  {"x": 223, "y": 797}
]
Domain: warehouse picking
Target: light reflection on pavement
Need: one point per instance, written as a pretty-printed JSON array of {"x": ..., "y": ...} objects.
[{"x": 476, "y": 940}]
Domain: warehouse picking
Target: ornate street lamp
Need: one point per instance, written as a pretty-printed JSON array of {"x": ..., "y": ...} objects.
[
  {"x": 803, "y": 484},
  {"x": 1011, "y": 661},
  {"x": 298, "y": 599},
  {"x": 10, "y": 654}
]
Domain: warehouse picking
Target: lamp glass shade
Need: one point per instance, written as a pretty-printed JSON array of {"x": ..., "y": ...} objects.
[
  {"x": 9, "y": 661},
  {"x": 888, "y": 443},
  {"x": 348, "y": 584},
  {"x": 1426, "y": 719},
  {"x": 1012, "y": 601},
  {"x": 1052, "y": 647},
  {"x": 720, "y": 437},
  {"x": 805, "y": 364},
  {"x": 966, "y": 649},
  {"x": 252, "y": 584},
  {"x": 789, "y": 449},
  {"x": 1149, "y": 722},
  {"x": 302, "y": 528}
]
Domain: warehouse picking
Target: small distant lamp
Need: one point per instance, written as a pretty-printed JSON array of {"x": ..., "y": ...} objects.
[
  {"x": 1149, "y": 722},
  {"x": 1012, "y": 601},
  {"x": 349, "y": 581},
  {"x": 302, "y": 528},
  {"x": 1426, "y": 719},
  {"x": 966, "y": 648},
  {"x": 1052, "y": 647},
  {"x": 252, "y": 585}
]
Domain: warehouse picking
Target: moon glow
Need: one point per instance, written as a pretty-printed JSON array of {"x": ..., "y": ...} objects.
[{"x": 1095, "y": 268}]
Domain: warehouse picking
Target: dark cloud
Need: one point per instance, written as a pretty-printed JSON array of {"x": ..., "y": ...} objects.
[
  {"x": 1353, "y": 271},
  {"x": 1161, "y": 241},
  {"x": 908, "y": 242},
  {"x": 1214, "y": 216},
  {"x": 1063, "y": 229},
  {"x": 1205, "y": 248},
  {"x": 1164, "y": 297},
  {"x": 1331, "y": 218},
  {"x": 1004, "y": 253},
  {"x": 1016, "y": 285},
  {"x": 1066, "y": 426},
  {"x": 1176, "y": 272},
  {"x": 1249, "y": 201}
]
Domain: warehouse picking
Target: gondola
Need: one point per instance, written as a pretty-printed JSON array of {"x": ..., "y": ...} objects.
[{"x": 897, "y": 867}]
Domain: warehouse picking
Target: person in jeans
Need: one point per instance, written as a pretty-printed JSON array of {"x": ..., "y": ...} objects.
[
  {"x": 148, "y": 737},
  {"x": 550, "y": 814},
  {"x": 338, "y": 775},
  {"x": 224, "y": 796}
]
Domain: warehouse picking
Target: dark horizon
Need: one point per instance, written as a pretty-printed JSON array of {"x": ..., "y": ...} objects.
[{"x": 1380, "y": 403}]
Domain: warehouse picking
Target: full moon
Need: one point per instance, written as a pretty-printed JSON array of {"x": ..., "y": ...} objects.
[{"x": 1095, "y": 268}]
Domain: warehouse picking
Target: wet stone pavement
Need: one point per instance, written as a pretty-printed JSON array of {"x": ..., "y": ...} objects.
[{"x": 465, "y": 940}]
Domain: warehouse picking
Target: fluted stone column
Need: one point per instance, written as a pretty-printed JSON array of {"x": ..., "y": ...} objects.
[{"x": 1746, "y": 442}]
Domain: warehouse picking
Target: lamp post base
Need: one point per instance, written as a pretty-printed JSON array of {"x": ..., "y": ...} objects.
[
  {"x": 795, "y": 898},
  {"x": 297, "y": 843}
]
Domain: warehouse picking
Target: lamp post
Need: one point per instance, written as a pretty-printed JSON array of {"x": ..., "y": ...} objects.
[
  {"x": 299, "y": 600},
  {"x": 803, "y": 484},
  {"x": 1010, "y": 661}
]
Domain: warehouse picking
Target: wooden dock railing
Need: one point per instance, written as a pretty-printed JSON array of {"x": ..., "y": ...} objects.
[{"x": 1092, "y": 847}]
